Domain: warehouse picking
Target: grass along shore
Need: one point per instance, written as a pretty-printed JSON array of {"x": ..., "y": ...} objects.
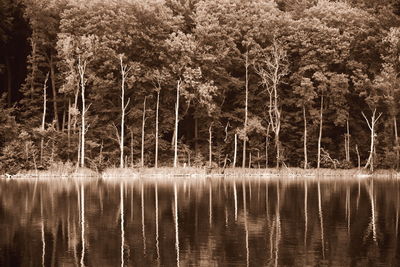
[{"x": 67, "y": 171}]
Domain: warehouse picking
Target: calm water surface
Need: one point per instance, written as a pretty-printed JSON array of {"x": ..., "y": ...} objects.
[{"x": 241, "y": 222}]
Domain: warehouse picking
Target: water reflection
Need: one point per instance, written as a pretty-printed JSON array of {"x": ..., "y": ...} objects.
[{"x": 246, "y": 222}]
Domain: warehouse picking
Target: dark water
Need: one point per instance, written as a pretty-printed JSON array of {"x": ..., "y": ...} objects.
[{"x": 201, "y": 222}]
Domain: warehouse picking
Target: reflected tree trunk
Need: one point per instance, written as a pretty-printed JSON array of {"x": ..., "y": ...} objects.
[
  {"x": 122, "y": 224},
  {"x": 278, "y": 225},
  {"x": 373, "y": 211},
  {"x": 143, "y": 224},
  {"x": 176, "y": 221},
  {"x": 321, "y": 219},
  {"x": 210, "y": 204},
  {"x": 245, "y": 223},
  {"x": 157, "y": 237},
  {"x": 305, "y": 214},
  {"x": 43, "y": 232},
  {"x": 235, "y": 198},
  {"x": 83, "y": 225},
  {"x": 348, "y": 209}
]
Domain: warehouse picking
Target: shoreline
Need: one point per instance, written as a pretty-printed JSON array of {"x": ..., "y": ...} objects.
[{"x": 194, "y": 173}]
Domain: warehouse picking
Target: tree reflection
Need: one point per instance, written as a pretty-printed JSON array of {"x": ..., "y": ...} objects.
[{"x": 213, "y": 222}]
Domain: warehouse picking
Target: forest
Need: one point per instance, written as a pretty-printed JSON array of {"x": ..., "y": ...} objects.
[{"x": 230, "y": 83}]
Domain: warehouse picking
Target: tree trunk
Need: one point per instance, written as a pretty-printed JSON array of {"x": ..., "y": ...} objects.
[
  {"x": 235, "y": 152},
  {"x": 143, "y": 124},
  {"x": 131, "y": 147},
  {"x": 82, "y": 68},
  {"x": 54, "y": 91},
  {"x": 79, "y": 147},
  {"x": 210, "y": 145},
  {"x": 156, "y": 152},
  {"x": 305, "y": 138},
  {"x": 358, "y": 157},
  {"x": 246, "y": 110},
  {"x": 374, "y": 119},
  {"x": 278, "y": 148},
  {"x": 63, "y": 119},
  {"x": 250, "y": 160},
  {"x": 43, "y": 117},
  {"x": 267, "y": 146},
  {"x": 196, "y": 135},
  {"x": 124, "y": 72},
  {"x": 320, "y": 131},
  {"x": 69, "y": 126},
  {"x": 396, "y": 142},
  {"x": 75, "y": 119},
  {"x": 176, "y": 125},
  {"x": 347, "y": 141}
]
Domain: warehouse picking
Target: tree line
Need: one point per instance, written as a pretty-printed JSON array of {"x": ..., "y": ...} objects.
[{"x": 253, "y": 83}]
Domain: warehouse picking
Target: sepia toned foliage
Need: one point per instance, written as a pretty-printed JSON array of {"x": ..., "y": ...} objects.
[{"x": 206, "y": 71}]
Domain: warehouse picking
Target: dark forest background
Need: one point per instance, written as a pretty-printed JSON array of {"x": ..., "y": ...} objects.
[{"x": 340, "y": 59}]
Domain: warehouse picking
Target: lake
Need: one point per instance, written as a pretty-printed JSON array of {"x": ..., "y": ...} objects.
[{"x": 200, "y": 222}]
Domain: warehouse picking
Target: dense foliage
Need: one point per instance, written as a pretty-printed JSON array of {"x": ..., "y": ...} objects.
[{"x": 295, "y": 80}]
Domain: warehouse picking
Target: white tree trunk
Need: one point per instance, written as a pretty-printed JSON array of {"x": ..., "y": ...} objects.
[
  {"x": 156, "y": 151},
  {"x": 246, "y": 110},
  {"x": 371, "y": 125},
  {"x": 210, "y": 145},
  {"x": 235, "y": 152},
  {"x": 143, "y": 124},
  {"x": 320, "y": 131},
  {"x": 305, "y": 138},
  {"x": 44, "y": 116},
  {"x": 176, "y": 125},
  {"x": 124, "y": 72},
  {"x": 81, "y": 69},
  {"x": 396, "y": 142}
]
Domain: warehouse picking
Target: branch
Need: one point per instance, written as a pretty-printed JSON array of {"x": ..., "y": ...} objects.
[
  {"x": 127, "y": 103},
  {"x": 366, "y": 120},
  {"x": 116, "y": 133}
]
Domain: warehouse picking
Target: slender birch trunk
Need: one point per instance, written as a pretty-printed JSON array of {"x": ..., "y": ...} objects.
[
  {"x": 131, "y": 147},
  {"x": 196, "y": 135},
  {"x": 396, "y": 142},
  {"x": 82, "y": 68},
  {"x": 305, "y": 138},
  {"x": 143, "y": 124},
  {"x": 371, "y": 126},
  {"x": 347, "y": 141},
  {"x": 246, "y": 110},
  {"x": 69, "y": 126},
  {"x": 235, "y": 152},
  {"x": 210, "y": 145},
  {"x": 320, "y": 131},
  {"x": 156, "y": 151},
  {"x": 176, "y": 125},
  {"x": 44, "y": 116},
  {"x": 267, "y": 145},
  {"x": 358, "y": 157},
  {"x": 124, "y": 73}
]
